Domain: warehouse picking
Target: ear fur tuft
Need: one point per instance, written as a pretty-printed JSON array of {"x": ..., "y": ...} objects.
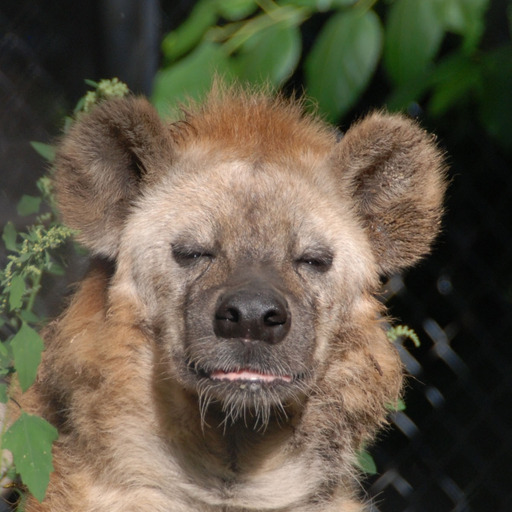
[
  {"x": 396, "y": 176},
  {"x": 102, "y": 164}
]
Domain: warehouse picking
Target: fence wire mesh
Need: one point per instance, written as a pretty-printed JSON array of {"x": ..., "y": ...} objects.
[{"x": 450, "y": 450}]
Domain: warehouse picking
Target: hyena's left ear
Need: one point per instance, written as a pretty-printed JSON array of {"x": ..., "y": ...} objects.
[
  {"x": 103, "y": 164},
  {"x": 395, "y": 173}
]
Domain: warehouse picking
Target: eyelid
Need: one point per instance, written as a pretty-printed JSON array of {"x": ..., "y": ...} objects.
[
  {"x": 320, "y": 261},
  {"x": 185, "y": 254}
]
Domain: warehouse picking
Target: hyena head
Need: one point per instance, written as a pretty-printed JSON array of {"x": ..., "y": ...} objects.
[{"x": 249, "y": 239}]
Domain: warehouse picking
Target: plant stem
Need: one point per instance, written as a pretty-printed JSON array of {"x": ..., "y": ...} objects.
[{"x": 36, "y": 285}]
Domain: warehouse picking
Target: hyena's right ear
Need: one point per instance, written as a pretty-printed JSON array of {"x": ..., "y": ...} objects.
[{"x": 102, "y": 164}]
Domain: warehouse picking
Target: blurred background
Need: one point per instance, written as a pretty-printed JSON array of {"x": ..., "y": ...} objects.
[{"x": 446, "y": 62}]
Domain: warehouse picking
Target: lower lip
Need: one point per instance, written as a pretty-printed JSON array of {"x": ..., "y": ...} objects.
[{"x": 248, "y": 376}]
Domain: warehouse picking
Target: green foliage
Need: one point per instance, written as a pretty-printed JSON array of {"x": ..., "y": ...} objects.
[
  {"x": 413, "y": 38},
  {"x": 45, "y": 150},
  {"x": 348, "y": 47},
  {"x": 103, "y": 90},
  {"x": 191, "y": 76},
  {"x": 366, "y": 463},
  {"x": 27, "y": 348},
  {"x": 32, "y": 254},
  {"x": 30, "y": 440},
  {"x": 256, "y": 60},
  {"x": 28, "y": 205},
  {"x": 256, "y": 41},
  {"x": 260, "y": 41},
  {"x": 394, "y": 334},
  {"x": 397, "y": 332}
]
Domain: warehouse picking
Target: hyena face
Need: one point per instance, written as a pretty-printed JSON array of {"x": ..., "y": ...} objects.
[
  {"x": 250, "y": 240},
  {"x": 245, "y": 278}
]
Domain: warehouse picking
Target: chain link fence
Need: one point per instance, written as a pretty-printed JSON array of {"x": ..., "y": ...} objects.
[{"x": 450, "y": 450}]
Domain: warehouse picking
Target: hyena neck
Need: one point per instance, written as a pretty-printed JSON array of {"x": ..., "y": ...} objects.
[
  {"x": 233, "y": 466},
  {"x": 235, "y": 440}
]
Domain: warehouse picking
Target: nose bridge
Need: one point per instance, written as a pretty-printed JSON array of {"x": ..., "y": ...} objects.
[{"x": 259, "y": 275}]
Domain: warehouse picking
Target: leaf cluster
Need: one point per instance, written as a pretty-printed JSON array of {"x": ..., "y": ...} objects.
[
  {"x": 32, "y": 254},
  {"x": 407, "y": 40}
]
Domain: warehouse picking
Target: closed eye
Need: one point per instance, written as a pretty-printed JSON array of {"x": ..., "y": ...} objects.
[
  {"x": 186, "y": 255},
  {"x": 319, "y": 262}
]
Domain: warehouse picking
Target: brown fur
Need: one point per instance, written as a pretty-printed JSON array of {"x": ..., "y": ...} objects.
[{"x": 246, "y": 193}]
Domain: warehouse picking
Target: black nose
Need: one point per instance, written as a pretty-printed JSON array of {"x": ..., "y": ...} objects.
[{"x": 252, "y": 313}]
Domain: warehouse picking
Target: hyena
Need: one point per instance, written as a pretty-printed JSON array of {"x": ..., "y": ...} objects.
[{"x": 226, "y": 351}]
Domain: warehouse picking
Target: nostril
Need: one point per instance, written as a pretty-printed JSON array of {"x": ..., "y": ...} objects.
[
  {"x": 230, "y": 314},
  {"x": 275, "y": 317}
]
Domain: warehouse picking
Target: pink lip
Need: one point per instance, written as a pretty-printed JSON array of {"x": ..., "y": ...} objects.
[{"x": 249, "y": 375}]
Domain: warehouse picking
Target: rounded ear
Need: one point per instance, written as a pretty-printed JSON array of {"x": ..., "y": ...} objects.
[
  {"x": 102, "y": 164},
  {"x": 395, "y": 174}
]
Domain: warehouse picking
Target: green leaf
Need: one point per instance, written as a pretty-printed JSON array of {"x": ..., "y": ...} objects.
[
  {"x": 464, "y": 17},
  {"x": 56, "y": 269},
  {"x": 413, "y": 37},
  {"x": 366, "y": 463},
  {"x": 181, "y": 40},
  {"x": 27, "y": 347},
  {"x": 3, "y": 352},
  {"x": 9, "y": 236},
  {"x": 5, "y": 358},
  {"x": 3, "y": 393},
  {"x": 29, "y": 316},
  {"x": 4, "y": 371},
  {"x": 28, "y": 205},
  {"x": 398, "y": 406},
  {"x": 455, "y": 80},
  {"x": 23, "y": 257},
  {"x": 342, "y": 60},
  {"x": 45, "y": 150},
  {"x": 234, "y": 10},
  {"x": 403, "y": 95},
  {"x": 16, "y": 291},
  {"x": 270, "y": 55},
  {"x": 30, "y": 439},
  {"x": 319, "y": 5},
  {"x": 191, "y": 77},
  {"x": 91, "y": 83}
]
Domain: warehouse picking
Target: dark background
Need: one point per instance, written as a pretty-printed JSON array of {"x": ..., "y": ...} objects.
[{"x": 451, "y": 449}]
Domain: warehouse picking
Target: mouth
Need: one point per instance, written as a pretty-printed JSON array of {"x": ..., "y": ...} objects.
[
  {"x": 249, "y": 376},
  {"x": 246, "y": 393},
  {"x": 242, "y": 377}
]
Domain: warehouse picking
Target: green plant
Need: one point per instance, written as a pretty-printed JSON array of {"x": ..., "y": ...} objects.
[
  {"x": 427, "y": 53},
  {"x": 32, "y": 254},
  {"x": 395, "y": 334}
]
